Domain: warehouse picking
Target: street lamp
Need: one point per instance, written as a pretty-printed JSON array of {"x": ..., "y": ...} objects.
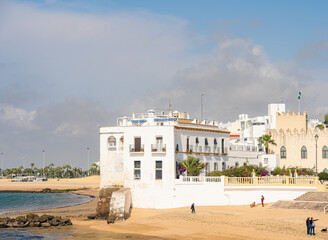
[
  {"x": 316, "y": 153},
  {"x": 43, "y": 162},
  {"x": 88, "y": 149},
  {"x": 1, "y": 164}
]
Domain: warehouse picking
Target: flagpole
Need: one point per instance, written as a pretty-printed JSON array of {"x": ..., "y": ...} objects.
[{"x": 299, "y": 101}]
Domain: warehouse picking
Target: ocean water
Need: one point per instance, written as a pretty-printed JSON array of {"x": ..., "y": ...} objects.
[
  {"x": 19, "y": 202},
  {"x": 28, "y": 234}
]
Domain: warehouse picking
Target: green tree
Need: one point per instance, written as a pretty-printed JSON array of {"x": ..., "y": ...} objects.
[
  {"x": 67, "y": 166},
  {"x": 32, "y": 165},
  {"x": 193, "y": 165},
  {"x": 266, "y": 140}
]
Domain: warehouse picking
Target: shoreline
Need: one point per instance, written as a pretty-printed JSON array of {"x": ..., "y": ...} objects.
[{"x": 209, "y": 222}]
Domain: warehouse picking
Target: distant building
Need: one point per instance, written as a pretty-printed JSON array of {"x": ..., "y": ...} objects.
[{"x": 296, "y": 144}]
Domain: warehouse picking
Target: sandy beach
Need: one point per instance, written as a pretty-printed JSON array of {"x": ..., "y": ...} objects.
[{"x": 219, "y": 222}]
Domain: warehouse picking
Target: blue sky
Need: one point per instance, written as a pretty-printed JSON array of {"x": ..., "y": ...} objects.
[
  {"x": 282, "y": 27},
  {"x": 68, "y": 67}
]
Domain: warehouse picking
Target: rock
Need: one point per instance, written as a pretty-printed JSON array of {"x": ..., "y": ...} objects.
[
  {"x": 105, "y": 195},
  {"x": 54, "y": 223},
  {"x": 45, "y": 224},
  {"x": 3, "y": 224},
  {"x": 17, "y": 224},
  {"x": 111, "y": 218},
  {"x": 21, "y": 219},
  {"x": 67, "y": 221},
  {"x": 35, "y": 224},
  {"x": 45, "y": 218},
  {"x": 46, "y": 190},
  {"x": 32, "y": 216},
  {"x": 92, "y": 216}
]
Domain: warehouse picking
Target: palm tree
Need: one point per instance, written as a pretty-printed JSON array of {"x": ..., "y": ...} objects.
[
  {"x": 67, "y": 166},
  {"x": 74, "y": 171},
  {"x": 193, "y": 165},
  {"x": 32, "y": 165},
  {"x": 266, "y": 140}
]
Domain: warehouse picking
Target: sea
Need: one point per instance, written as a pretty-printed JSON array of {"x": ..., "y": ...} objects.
[{"x": 24, "y": 202}]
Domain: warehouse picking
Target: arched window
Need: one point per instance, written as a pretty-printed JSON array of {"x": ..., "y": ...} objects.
[
  {"x": 303, "y": 152},
  {"x": 325, "y": 152},
  {"x": 112, "y": 143},
  {"x": 283, "y": 152},
  {"x": 122, "y": 143}
]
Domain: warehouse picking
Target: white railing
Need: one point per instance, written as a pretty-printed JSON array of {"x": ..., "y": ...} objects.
[
  {"x": 158, "y": 148},
  {"x": 198, "y": 180},
  {"x": 251, "y": 181}
]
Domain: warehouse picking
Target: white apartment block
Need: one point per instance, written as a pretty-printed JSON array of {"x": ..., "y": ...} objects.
[{"x": 143, "y": 152}]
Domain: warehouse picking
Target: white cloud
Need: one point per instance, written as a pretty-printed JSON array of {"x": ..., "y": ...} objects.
[{"x": 17, "y": 117}]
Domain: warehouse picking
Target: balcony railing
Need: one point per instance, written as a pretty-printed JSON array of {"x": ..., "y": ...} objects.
[
  {"x": 111, "y": 148},
  {"x": 133, "y": 149},
  {"x": 198, "y": 149},
  {"x": 190, "y": 149},
  {"x": 225, "y": 151},
  {"x": 207, "y": 149},
  {"x": 216, "y": 150},
  {"x": 158, "y": 148}
]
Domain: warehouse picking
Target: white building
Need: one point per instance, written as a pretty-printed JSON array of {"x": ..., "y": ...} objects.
[
  {"x": 248, "y": 130},
  {"x": 148, "y": 147},
  {"x": 143, "y": 152}
]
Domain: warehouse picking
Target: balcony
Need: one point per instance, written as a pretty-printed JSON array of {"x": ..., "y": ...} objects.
[
  {"x": 158, "y": 148},
  {"x": 135, "y": 150},
  {"x": 216, "y": 150},
  {"x": 190, "y": 149},
  {"x": 225, "y": 151},
  {"x": 207, "y": 150},
  {"x": 111, "y": 148},
  {"x": 198, "y": 149}
]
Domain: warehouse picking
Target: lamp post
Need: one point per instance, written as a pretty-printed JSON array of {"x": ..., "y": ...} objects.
[
  {"x": 316, "y": 153},
  {"x": 88, "y": 149},
  {"x": 1, "y": 164},
  {"x": 43, "y": 162},
  {"x": 201, "y": 106}
]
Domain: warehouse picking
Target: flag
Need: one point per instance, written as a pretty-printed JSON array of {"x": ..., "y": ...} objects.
[{"x": 299, "y": 95}]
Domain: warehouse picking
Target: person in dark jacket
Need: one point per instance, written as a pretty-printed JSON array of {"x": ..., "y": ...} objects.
[
  {"x": 193, "y": 208},
  {"x": 308, "y": 226}
]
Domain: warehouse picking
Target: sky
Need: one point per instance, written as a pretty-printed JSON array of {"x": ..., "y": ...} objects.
[{"x": 69, "y": 67}]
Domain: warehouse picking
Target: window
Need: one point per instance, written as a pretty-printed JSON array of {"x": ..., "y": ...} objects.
[
  {"x": 222, "y": 145},
  {"x": 137, "y": 169},
  {"x": 236, "y": 164},
  {"x": 325, "y": 152},
  {"x": 260, "y": 164},
  {"x": 208, "y": 168},
  {"x": 215, "y": 166},
  {"x": 223, "y": 166},
  {"x": 283, "y": 153},
  {"x": 215, "y": 141},
  {"x": 197, "y": 140},
  {"x": 303, "y": 152},
  {"x": 158, "y": 170},
  {"x": 206, "y": 142},
  {"x": 112, "y": 143},
  {"x": 266, "y": 160}
]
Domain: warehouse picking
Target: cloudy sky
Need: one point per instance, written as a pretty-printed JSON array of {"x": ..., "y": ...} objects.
[{"x": 68, "y": 67}]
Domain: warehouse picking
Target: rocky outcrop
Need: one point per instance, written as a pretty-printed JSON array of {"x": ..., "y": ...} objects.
[
  {"x": 105, "y": 195},
  {"x": 114, "y": 204},
  {"x": 33, "y": 220}
]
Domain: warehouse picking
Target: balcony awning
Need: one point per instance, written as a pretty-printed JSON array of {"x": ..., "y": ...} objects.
[
  {"x": 139, "y": 120},
  {"x": 165, "y": 119}
]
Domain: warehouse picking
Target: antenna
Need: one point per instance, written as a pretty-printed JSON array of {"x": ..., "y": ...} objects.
[{"x": 170, "y": 105}]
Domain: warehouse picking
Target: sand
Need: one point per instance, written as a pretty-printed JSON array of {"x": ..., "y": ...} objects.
[{"x": 219, "y": 222}]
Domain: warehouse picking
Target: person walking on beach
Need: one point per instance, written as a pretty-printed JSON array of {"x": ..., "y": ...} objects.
[
  {"x": 308, "y": 226},
  {"x": 193, "y": 208},
  {"x": 262, "y": 200}
]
